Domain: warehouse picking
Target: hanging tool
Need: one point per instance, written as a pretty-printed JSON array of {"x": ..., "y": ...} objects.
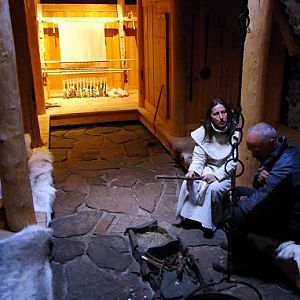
[
  {"x": 157, "y": 106},
  {"x": 222, "y": 26},
  {"x": 205, "y": 71},
  {"x": 192, "y": 57}
]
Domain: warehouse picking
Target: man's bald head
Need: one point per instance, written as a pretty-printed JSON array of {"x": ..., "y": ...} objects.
[{"x": 261, "y": 140}]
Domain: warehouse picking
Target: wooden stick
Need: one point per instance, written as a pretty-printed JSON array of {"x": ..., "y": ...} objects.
[{"x": 178, "y": 177}]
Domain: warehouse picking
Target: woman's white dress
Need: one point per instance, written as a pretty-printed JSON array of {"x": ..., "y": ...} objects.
[{"x": 198, "y": 200}]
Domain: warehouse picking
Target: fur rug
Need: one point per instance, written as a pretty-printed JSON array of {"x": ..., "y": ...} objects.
[
  {"x": 25, "y": 271},
  {"x": 289, "y": 250},
  {"x": 40, "y": 166}
]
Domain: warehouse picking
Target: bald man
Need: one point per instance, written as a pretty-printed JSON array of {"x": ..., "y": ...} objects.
[{"x": 272, "y": 208}]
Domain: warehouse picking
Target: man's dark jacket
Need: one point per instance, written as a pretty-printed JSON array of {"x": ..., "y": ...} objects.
[{"x": 274, "y": 208}]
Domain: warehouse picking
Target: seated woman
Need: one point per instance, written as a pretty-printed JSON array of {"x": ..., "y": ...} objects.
[{"x": 201, "y": 200}]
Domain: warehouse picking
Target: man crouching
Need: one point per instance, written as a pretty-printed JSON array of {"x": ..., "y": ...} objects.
[{"x": 269, "y": 213}]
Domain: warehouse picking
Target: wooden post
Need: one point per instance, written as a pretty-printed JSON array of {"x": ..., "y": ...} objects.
[
  {"x": 140, "y": 41},
  {"x": 32, "y": 27},
  {"x": 254, "y": 76},
  {"x": 26, "y": 84},
  {"x": 177, "y": 65},
  {"x": 13, "y": 159}
]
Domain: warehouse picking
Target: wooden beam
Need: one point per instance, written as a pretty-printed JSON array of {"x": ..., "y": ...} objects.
[
  {"x": 140, "y": 42},
  {"x": 33, "y": 41},
  {"x": 25, "y": 73},
  {"x": 178, "y": 68},
  {"x": 16, "y": 188},
  {"x": 255, "y": 64}
]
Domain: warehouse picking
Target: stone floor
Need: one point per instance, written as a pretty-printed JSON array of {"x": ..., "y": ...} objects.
[{"x": 105, "y": 181}]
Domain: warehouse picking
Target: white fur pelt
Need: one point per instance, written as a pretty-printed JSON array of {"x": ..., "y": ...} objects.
[
  {"x": 40, "y": 166},
  {"x": 25, "y": 271},
  {"x": 289, "y": 250}
]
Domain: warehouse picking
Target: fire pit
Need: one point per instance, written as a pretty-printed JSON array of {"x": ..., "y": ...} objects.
[{"x": 164, "y": 262}]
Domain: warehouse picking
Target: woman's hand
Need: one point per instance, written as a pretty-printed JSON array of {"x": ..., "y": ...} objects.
[
  {"x": 190, "y": 174},
  {"x": 209, "y": 178}
]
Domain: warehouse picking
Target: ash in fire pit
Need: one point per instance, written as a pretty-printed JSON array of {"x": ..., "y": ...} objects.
[
  {"x": 151, "y": 239},
  {"x": 164, "y": 262}
]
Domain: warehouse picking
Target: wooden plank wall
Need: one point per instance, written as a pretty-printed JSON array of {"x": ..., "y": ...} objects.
[
  {"x": 155, "y": 60},
  {"x": 52, "y": 47},
  {"x": 275, "y": 76},
  {"x": 223, "y": 56}
]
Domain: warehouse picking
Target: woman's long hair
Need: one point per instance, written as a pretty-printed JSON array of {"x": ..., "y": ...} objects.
[{"x": 209, "y": 131}]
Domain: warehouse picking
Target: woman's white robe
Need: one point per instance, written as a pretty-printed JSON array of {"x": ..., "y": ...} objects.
[{"x": 198, "y": 200}]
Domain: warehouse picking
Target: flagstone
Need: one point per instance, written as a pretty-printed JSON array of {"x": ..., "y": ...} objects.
[
  {"x": 124, "y": 180},
  {"x": 132, "y": 161},
  {"x": 96, "y": 180},
  {"x": 88, "y": 174},
  {"x": 60, "y": 142},
  {"x": 172, "y": 187},
  {"x": 59, "y": 154},
  {"x": 162, "y": 158},
  {"x": 147, "y": 195},
  {"x": 60, "y": 284},
  {"x": 136, "y": 148},
  {"x": 111, "y": 151},
  {"x": 76, "y": 224},
  {"x": 110, "y": 251},
  {"x": 140, "y": 173},
  {"x": 75, "y": 183},
  {"x": 122, "y": 136},
  {"x": 66, "y": 203},
  {"x": 112, "y": 199},
  {"x": 66, "y": 249},
  {"x": 84, "y": 154},
  {"x": 149, "y": 165},
  {"x": 141, "y": 131},
  {"x": 94, "y": 165},
  {"x": 58, "y": 132},
  {"x": 88, "y": 142},
  {"x": 122, "y": 222},
  {"x": 102, "y": 130},
  {"x": 164, "y": 213},
  {"x": 74, "y": 133},
  {"x": 104, "y": 223},
  {"x": 60, "y": 173}
]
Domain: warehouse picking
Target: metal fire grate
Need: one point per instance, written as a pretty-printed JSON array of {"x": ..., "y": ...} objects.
[{"x": 164, "y": 262}]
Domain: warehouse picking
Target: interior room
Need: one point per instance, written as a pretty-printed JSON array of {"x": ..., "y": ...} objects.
[{"x": 88, "y": 57}]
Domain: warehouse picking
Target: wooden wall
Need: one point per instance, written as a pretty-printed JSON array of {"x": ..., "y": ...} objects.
[
  {"x": 155, "y": 18},
  {"x": 52, "y": 47},
  {"x": 218, "y": 22},
  {"x": 275, "y": 76},
  {"x": 207, "y": 25}
]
